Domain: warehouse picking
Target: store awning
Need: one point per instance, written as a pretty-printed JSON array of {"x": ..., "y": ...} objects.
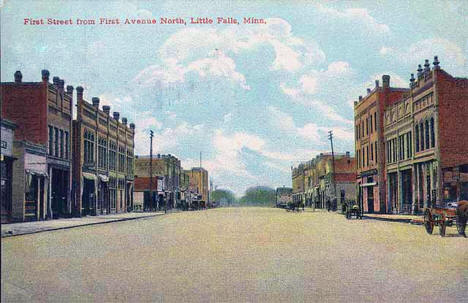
[
  {"x": 89, "y": 176},
  {"x": 369, "y": 184},
  {"x": 104, "y": 178},
  {"x": 36, "y": 172}
]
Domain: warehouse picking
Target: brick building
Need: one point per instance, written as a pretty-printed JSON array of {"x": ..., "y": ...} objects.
[
  {"x": 166, "y": 172},
  {"x": 7, "y": 133},
  {"x": 42, "y": 112},
  {"x": 426, "y": 142},
  {"x": 103, "y": 164},
  {"x": 198, "y": 184},
  {"x": 369, "y": 144},
  {"x": 314, "y": 181}
]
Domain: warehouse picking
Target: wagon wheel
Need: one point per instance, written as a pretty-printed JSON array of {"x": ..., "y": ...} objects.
[
  {"x": 428, "y": 223},
  {"x": 461, "y": 224}
]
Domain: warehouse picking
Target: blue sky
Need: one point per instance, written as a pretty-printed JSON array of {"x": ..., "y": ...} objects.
[{"x": 254, "y": 99}]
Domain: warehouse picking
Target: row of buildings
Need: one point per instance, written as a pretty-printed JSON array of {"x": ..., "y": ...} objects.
[
  {"x": 161, "y": 179},
  {"x": 411, "y": 146},
  {"x": 54, "y": 165},
  {"x": 317, "y": 182}
]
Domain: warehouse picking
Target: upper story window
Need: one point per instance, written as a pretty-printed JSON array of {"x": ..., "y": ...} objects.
[
  {"x": 416, "y": 137},
  {"x": 51, "y": 140},
  {"x": 88, "y": 137},
  {"x": 427, "y": 134},
  {"x": 432, "y": 133}
]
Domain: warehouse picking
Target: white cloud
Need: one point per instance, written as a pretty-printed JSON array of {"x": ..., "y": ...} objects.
[
  {"x": 355, "y": 15},
  {"x": 451, "y": 56},
  {"x": 208, "y": 52}
]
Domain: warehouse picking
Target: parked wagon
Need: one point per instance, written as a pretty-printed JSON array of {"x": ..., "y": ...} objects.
[
  {"x": 353, "y": 211},
  {"x": 443, "y": 217}
]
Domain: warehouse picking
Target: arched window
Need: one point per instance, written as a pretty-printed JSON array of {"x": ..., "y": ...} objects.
[
  {"x": 432, "y": 133},
  {"x": 416, "y": 136},
  {"x": 427, "y": 134},
  {"x": 421, "y": 129}
]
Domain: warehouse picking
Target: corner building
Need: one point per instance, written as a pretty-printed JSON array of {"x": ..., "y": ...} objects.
[
  {"x": 103, "y": 161},
  {"x": 41, "y": 174},
  {"x": 369, "y": 144},
  {"x": 429, "y": 160}
]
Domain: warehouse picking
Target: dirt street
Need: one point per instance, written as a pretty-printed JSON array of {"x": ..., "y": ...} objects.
[{"x": 237, "y": 255}]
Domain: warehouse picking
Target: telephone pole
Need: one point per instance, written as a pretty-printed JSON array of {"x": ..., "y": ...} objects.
[
  {"x": 330, "y": 136},
  {"x": 151, "y": 170}
]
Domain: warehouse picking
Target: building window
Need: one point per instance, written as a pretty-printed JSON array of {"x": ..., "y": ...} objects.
[
  {"x": 367, "y": 126},
  {"x": 102, "y": 153},
  {"x": 88, "y": 147},
  {"x": 62, "y": 145},
  {"x": 409, "y": 146},
  {"x": 375, "y": 120},
  {"x": 372, "y": 151},
  {"x": 427, "y": 134},
  {"x": 416, "y": 137},
  {"x": 421, "y": 129},
  {"x": 112, "y": 155},
  {"x": 432, "y": 133},
  {"x": 367, "y": 155},
  {"x": 51, "y": 140},
  {"x": 67, "y": 144},
  {"x": 129, "y": 163},
  {"x": 121, "y": 159},
  {"x": 370, "y": 123},
  {"x": 56, "y": 142}
]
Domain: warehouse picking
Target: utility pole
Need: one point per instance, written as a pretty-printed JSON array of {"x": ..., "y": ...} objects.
[
  {"x": 330, "y": 136},
  {"x": 151, "y": 170}
]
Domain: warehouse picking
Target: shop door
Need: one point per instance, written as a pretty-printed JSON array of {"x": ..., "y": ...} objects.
[{"x": 370, "y": 199}]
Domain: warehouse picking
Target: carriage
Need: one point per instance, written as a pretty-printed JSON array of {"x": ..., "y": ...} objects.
[
  {"x": 446, "y": 216},
  {"x": 353, "y": 210}
]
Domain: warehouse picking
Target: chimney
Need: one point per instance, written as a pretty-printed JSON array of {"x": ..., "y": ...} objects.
[
  {"x": 116, "y": 116},
  {"x": 355, "y": 103},
  {"x": 419, "y": 71},
  {"x": 18, "y": 76},
  {"x": 79, "y": 93},
  {"x": 347, "y": 154},
  {"x": 412, "y": 81},
  {"x": 56, "y": 80},
  {"x": 95, "y": 101},
  {"x": 376, "y": 83},
  {"x": 436, "y": 63},
  {"x": 70, "y": 90},
  {"x": 124, "y": 121},
  {"x": 426, "y": 66},
  {"x": 106, "y": 109},
  {"x": 61, "y": 84},
  {"x": 385, "y": 81},
  {"x": 368, "y": 90},
  {"x": 132, "y": 125},
  {"x": 360, "y": 98},
  {"x": 45, "y": 75}
]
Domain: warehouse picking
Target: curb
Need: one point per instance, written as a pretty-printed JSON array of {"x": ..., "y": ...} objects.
[
  {"x": 388, "y": 219},
  {"x": 6, "y": 235}
]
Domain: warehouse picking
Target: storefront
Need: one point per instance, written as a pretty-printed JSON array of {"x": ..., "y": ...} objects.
[{"x": 6, "y": 169}]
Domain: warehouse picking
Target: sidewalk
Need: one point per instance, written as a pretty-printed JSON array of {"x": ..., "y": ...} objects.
[
  {"x": 395, "y": 218},
  {"x": 413, "y": 219},
  {"x": 23, "y": 228}
]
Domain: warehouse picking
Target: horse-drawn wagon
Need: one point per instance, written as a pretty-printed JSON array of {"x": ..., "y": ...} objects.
[{"x": 443, "y": 217}]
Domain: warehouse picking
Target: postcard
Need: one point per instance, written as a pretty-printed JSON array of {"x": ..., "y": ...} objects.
[{"x": 234, "y": 151}]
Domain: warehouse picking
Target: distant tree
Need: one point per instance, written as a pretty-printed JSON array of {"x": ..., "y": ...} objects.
[
  {"x": 223, "y": 196},
  {"x": 259, "y": 195}
]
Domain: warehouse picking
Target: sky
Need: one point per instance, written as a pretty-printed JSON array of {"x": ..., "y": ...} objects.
[{"x": 254, "y": 99}]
